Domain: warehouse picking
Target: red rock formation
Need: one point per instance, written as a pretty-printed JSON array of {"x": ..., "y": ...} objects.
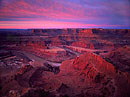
[
  {"x": 55, "y": 41},
  {"x": 87, "y": 32},
  {"x": 88, "y": 75},
  {"x": 120, "y": 58},
  {"x": 36, "y": 45},
  {"x": 79, "y": 44},
  {"x": 94, "y": 76},
  {"x": 85, "y": 76},
  {"x": 83, "y": 44}
]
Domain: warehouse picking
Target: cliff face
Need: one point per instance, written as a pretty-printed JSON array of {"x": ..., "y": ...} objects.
[
  {"x": 88, "y": 38},
  {"x": 120, "y": 58},
  {"x": 87, "y": 32},
  {"x": 94, "y": 76}
]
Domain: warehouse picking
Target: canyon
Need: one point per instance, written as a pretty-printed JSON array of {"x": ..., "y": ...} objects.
[{"x": 75, "y": 62}]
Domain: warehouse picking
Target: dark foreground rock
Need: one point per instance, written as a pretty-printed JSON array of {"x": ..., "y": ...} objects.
[{"x": 88, "y": 75}]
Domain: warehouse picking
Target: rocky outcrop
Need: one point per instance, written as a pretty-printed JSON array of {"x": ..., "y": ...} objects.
[
  {"x": 120, "y": 58},
  {"x": 85, "y": 76},
  {"x": 84, "y": 44},
  {"x": 91, "y": 76}
]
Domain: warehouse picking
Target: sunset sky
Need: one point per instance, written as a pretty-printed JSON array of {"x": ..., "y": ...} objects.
[{"x": 20, "y": 14}]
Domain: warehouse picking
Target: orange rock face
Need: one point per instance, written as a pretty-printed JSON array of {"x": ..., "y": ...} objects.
[{"x": 94, "y": 77}]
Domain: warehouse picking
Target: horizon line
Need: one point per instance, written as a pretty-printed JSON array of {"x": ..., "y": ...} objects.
[{"x": 68, "y": 28}]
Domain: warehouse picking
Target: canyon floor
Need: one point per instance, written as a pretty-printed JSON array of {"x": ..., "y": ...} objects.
[{"x": 65, "y": 62}]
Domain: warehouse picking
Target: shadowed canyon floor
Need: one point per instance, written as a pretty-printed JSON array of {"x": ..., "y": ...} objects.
[{"x": 65, "y": 63}]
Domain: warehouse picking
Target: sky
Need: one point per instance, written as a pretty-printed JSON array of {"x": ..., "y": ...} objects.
[{"x": 25, "y": 14}]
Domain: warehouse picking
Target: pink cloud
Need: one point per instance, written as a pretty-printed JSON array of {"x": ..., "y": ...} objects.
[
  {"x": 56, "y": 11},
  {"x": 47, "y": 24},
  {"x": 45, "y": 10}
]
